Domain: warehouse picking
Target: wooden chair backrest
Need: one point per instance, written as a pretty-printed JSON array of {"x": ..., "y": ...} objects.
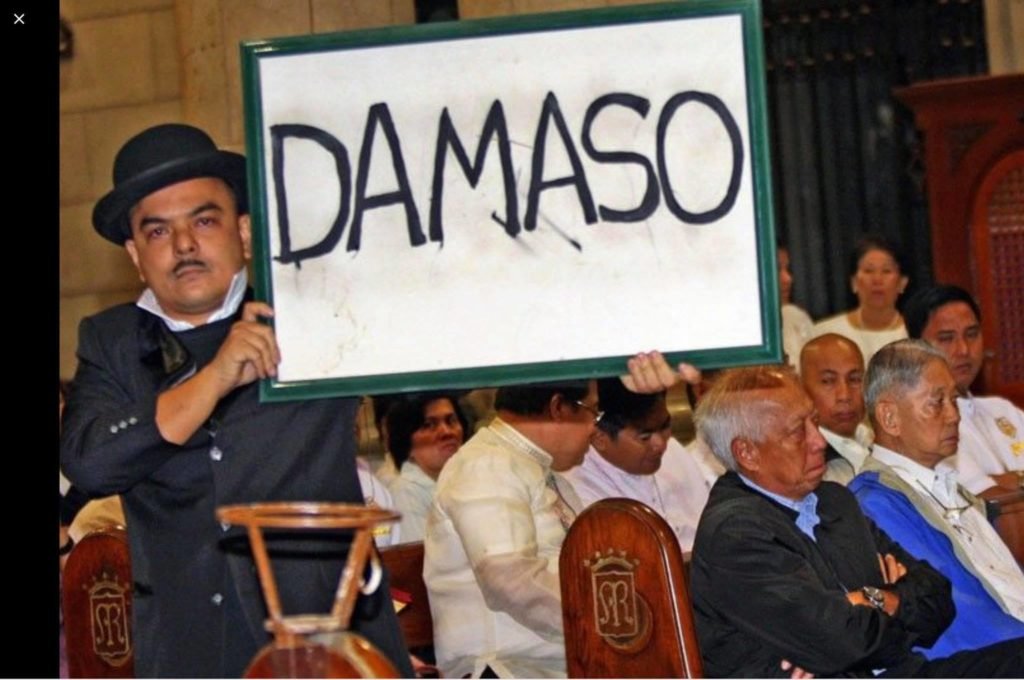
[
  {"x": 97, "y": 602},
  {"x": 1009, "y": 521},
  {"x": 405, "y": 564},
  {"x": 625, "y": 601}
]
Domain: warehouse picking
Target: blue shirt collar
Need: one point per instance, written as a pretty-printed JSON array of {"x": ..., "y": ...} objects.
[{"x": 806, "y": 508}]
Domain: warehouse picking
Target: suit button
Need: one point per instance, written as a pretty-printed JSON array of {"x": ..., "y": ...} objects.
[
  {"x": 113, "y": 429},
  {"x": 215, "y": 453},
  {"x": 217, "y": 599}
]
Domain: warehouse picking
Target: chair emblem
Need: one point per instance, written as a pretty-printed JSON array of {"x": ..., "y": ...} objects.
[
  {"x": 621, "y": 615},
  {"x": 109, "y": 618}
]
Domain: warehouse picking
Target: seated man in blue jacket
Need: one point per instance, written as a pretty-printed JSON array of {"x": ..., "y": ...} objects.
[
  {"x": 907, "y": 490},
  {"x": 788, "y": 576}
]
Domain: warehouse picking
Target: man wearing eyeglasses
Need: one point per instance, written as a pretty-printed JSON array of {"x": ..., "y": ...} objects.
[
  {"x": 495, "y": 528},
  {"x": 990, "y": 458},
  {"x": 911, "y": 399},
  {"x": 633, "y": 455}
]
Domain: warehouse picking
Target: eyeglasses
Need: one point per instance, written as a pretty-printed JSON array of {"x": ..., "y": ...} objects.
[
  {"x": 950, "y": 514},
  {"x": 597, "y": 413}
]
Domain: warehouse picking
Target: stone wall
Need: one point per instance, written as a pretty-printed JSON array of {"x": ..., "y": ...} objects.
[
  {"x": 137, "y": 63},
  {"x": 1004, "y": 26},
  {"x": 141, "y": 62},
  {"x": 118, "y": 81},
  {"x": 476, "y": 9}
]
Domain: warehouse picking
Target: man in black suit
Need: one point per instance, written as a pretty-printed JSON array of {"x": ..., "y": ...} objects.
[
  {"x": 164, "y": 410},
  {"x": 788, "y": 576}
]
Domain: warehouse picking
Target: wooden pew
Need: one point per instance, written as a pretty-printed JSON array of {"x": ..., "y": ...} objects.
[
  {"x": 405, "y": 564},
  {"x": 1007, "y": 510},
  {"x": 97, "y": 603},
  {"x": 625, "y": 598}
]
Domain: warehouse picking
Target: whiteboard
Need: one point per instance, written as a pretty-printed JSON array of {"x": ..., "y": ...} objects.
[{"x": 513, "y": 200}]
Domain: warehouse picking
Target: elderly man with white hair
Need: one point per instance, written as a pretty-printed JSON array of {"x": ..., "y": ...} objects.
[
  {"x": 912, "y": 400},
  {"x": 788, "y": 576}
]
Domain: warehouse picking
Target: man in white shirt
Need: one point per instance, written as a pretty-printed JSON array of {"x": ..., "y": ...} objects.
[
  {"x": 497, "y": 522},
  {"x": 990, "y": 458},
  {"x": 911, "y": 397},
  {"x": 633, "y": 455},
  {"x": 832, "y": 371}
]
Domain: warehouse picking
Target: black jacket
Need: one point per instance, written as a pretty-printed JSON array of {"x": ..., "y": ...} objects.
[
  {"x": 763, "y": 591},
  {"x": 198, "y": 607}
]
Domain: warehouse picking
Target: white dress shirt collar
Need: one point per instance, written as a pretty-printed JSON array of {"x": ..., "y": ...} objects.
[
  {"x": 940, "y": 482},
  {"x": 232, "y": 301},
  {"x": 855, "y": 449}
]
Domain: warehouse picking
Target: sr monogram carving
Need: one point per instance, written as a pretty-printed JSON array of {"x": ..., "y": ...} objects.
[
  {"x": 110, "y": 616},
  {"x": 621, "y": 615}
]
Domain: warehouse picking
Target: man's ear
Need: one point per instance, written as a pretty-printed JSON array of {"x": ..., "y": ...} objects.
[
  {"x": 600, "y": 440},
  {"x": 559, "y": 408},
  {"x": 245, "y": 233},
  {"x": 745, "y": 453},
  {"x": 887, "y": 417},
  {"x": 133, "y": 253}
]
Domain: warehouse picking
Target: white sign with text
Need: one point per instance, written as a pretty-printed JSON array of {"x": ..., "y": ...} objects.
[{"x": 510, "y": 199}]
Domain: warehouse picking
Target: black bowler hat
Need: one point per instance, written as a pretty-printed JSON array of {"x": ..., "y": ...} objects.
[{"x": 157, "y": 158}]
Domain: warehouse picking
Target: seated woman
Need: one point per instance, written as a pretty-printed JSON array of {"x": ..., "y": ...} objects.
[
  {"x": 877, "y": 281},
  {"x": 796, "y": 323},
  {"x": 423, "y": 432}
]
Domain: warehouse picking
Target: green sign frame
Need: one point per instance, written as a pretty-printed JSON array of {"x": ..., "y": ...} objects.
[{"x": 766, "y": 310}]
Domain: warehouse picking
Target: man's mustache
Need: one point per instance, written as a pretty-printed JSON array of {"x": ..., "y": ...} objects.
[{"x": 188, "y": 263}]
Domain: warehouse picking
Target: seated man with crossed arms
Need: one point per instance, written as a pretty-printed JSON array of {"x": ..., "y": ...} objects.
[
  {"x": 788, "y": 573},
  {"x": 912, "y": 397}
]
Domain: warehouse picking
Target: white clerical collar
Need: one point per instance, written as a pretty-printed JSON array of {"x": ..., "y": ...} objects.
[
  {"x": 853, "y": 449},
  {"x": 942, "y": 482},
  {"x": 236, "y": 292}
]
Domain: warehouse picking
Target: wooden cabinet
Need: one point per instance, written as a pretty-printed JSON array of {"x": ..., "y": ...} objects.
[{"x": 974, "y": 162}]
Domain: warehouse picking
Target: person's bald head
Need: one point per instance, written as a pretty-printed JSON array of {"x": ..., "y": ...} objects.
[{"x": 832, "y": 371}]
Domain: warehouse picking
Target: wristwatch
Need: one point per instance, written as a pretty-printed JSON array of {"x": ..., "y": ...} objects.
[{"x": 874, "y": 596}]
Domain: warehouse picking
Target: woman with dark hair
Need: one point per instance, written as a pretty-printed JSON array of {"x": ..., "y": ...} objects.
[
  {"x": 423, "y": 433},
  {"x": 796, "y": 323},
  {"x": 877, "y": 281}
]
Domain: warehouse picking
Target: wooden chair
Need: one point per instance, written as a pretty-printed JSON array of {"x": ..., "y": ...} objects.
[
  {"x": 625, "y": 602},
  {"x": 97, "y": 602},
  {"x": 405, "y": 564},
  {"x": 310, "y": 645},
  {"x": 1007, "y": 512}
]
